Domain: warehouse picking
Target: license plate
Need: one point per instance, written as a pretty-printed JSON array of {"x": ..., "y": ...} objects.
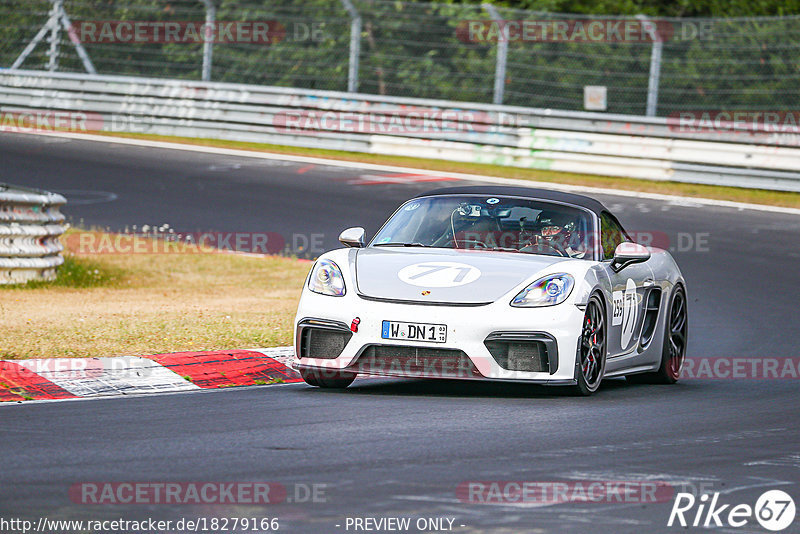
[{"x": 434, "y": 333}]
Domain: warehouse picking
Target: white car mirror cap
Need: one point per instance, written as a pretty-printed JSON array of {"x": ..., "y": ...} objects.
[
  {"x": 628, "y": 253},
  {"x": 353, "y": 237}
]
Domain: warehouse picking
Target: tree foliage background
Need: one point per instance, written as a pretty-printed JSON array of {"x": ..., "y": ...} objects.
[{"x": 413, "y": 49}]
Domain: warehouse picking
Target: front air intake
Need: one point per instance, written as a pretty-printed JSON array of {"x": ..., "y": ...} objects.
[
  {"x": 522, "y": 351},
  {"x": 520, "y": 355},
  {"x": 322, "y": 342}
]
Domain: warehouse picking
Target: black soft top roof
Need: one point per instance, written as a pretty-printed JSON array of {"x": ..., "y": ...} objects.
[{"x": 525, "y": 192}]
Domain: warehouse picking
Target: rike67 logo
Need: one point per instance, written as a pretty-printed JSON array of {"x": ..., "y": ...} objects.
[{"x": 774, "y": 510}]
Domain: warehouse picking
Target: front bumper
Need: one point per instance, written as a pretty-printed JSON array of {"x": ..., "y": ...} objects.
[{"x": 465, "y": 355}]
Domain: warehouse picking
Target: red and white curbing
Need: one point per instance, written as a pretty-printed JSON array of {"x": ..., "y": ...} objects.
[{"x": 69, "y": 378}]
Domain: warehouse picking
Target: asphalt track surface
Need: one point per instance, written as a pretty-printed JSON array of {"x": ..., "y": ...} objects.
[{"x": 388, "y": 447}]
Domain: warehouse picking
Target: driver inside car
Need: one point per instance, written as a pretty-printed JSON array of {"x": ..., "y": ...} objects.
[{"x": 557, "y": 233}]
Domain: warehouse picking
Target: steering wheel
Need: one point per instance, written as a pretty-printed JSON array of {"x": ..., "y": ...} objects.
[
  {"x": 543, "y": 245},
  {"x": 443, "y": 241},
  {"x": 470, "y": 240},
  {"x": 558, "y": 247}
]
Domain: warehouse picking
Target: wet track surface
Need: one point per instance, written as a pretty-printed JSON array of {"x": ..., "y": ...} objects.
[{"x": 402, "y": 447}]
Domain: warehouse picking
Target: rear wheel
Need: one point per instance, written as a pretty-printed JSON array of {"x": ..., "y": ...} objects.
[
  {"x": 592, "y": 351},
  {"x": 324, "y": 378},
  {"x": 673, "y": 352}
]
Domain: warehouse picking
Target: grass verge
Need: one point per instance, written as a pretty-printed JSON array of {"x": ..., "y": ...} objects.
[
  {"x": 754, "y": 196},
  {"x": 79, "y": 272},
  {"x": 132, "y": 304}
]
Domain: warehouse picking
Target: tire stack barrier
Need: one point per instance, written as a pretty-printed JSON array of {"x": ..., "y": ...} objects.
[{"x": 30, "y": 224}]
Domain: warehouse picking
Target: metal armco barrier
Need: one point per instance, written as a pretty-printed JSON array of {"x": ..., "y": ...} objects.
[
  {"x": 650, "y": 148},
  {"x": 30, "y": 223}
]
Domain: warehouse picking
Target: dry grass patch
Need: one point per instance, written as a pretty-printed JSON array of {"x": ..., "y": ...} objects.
[{"x": 153, "y": 303}]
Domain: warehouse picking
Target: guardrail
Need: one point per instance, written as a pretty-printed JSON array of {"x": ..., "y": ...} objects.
[
  {"x": 30, "y": 223},
  {"x": 651, "y": 148}
]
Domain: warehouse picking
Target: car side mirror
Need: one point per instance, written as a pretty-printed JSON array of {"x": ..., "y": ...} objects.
[
  {"x": 628, "y": 253},
  {"x": 353, "y": 237}
]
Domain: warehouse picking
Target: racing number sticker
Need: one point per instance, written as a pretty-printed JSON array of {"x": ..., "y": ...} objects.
[
  {"x": 625, "y": 311},
  {"x": 439, "y": 274},
  {"x": 616, "y": 315}
]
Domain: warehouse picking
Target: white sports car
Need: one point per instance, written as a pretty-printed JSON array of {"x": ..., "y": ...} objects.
[{"x": 494, "y": 283}]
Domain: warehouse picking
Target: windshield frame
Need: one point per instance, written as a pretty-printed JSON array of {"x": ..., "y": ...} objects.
[{"x": 593, "y": 218}]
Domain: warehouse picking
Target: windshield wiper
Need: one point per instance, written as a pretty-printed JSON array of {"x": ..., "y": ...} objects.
[{"x": 401, "y": 245}]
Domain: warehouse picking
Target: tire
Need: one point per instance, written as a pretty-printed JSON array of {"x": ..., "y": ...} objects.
[
  {"x": 590, "y": 364},
  {"x": 673, "y": 351},
  {"x": 323, "y": 378}
]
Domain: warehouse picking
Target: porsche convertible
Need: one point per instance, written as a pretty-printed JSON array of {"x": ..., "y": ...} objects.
[{"x": 494, "y": 283}]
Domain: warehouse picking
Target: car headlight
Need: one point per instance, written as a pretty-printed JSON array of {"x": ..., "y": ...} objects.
[
  {"x": 546, "y": 291},
  {"x": 326, "y": 279}
]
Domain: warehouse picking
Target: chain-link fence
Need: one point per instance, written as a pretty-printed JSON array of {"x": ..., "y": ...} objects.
[{"x": 445, "y": 51}]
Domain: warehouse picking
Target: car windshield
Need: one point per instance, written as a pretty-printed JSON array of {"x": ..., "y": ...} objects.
[{"x": 489, "y": 223}]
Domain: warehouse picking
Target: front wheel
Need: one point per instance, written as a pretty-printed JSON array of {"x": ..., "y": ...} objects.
[
  {"x": 592, "y": 350},
  {"x": 324, "y": 378}
]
